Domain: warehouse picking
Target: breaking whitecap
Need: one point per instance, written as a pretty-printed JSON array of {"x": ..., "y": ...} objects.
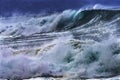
[{"x": 74, "y": 44}]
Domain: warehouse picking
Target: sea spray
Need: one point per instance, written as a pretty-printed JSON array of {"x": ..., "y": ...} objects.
[{"x": 77, "y": 45}]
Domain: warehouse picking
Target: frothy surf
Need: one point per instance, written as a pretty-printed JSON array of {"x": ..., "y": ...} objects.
[{"x": 74, "y": 44}]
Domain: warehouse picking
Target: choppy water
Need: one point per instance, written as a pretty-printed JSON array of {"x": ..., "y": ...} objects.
[{"x": 74, "y": 43}]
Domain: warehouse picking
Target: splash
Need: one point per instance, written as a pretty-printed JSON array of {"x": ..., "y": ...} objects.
[{"x": 73, "y": 44}]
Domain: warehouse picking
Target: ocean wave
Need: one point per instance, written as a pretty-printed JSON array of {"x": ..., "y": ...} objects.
[
  {"x": 75, "y": 44},
  {"x": 69, "y": 58},
  {"x": 67, "y": 20}
]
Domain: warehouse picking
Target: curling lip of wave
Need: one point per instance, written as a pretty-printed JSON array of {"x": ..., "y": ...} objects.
[{"x": 57, "y": 22}]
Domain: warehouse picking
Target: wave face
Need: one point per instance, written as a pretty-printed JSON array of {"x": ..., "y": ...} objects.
[{"x": 74, "y": 43}]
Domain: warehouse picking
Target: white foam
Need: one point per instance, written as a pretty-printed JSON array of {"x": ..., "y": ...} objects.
[
  {"x": 63, "y": 58},
  {"x": 30, "y": 25}
]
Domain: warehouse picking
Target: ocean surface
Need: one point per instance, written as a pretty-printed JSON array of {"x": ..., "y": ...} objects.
[{"x": 80, "y": 42}]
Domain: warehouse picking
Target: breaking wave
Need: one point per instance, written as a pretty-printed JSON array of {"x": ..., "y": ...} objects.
[{"x": 75, "y": 43}]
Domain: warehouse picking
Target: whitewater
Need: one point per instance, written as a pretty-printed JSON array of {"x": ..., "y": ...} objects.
[{"x": 73, "y": 44}]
